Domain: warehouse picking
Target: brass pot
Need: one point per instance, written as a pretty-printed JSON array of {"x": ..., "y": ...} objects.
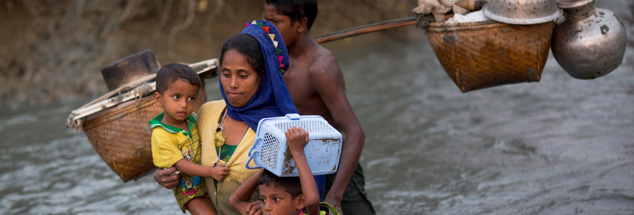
[{"x": 588, "y": 42}]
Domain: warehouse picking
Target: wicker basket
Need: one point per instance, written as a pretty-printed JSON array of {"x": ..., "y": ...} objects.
[
  {"x": 122, "y": 137},
  {"x": 485, "y": 54}
]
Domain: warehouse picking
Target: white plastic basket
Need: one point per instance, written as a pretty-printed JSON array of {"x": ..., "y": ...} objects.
[{"x": 271, "y": 152}]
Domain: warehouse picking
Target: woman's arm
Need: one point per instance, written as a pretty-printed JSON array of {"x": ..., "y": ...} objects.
[
  {"x": 167, "y": 177},
  {"x": 240, "y": 198},
  {"x": 297, "y": 140}
]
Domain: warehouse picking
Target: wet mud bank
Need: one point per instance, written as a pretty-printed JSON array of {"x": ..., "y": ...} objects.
[{"x": 54, "y": 50}]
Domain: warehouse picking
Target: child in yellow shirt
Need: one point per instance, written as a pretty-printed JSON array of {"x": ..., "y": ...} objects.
[{"x": 175, "y": 139}]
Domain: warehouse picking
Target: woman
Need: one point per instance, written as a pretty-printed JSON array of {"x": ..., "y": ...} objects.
[{"x": 253, "y": 88}]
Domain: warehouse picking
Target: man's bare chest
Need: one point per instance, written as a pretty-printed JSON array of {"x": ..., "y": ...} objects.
[{"x": 302, "y": 92}]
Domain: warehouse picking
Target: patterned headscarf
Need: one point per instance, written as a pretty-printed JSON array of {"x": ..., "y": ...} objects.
[{"x": 272, "y": 98}]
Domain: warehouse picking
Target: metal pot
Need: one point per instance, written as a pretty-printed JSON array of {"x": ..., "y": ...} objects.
[
  {"x": 129, "y": 69},
  {"x": 589, "y": 42},
  {"x": 522, "y": 12}
]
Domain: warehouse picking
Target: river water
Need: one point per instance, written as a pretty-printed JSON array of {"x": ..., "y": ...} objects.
[{"x": 560, "y": 146}]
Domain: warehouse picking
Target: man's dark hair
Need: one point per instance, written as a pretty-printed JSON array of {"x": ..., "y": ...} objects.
[
  {"x": 172, "y": 72},
  {"x": 291, "y": 185},
  {"x": 296, "y": 9},
  {"x": 248, "y": 46}
]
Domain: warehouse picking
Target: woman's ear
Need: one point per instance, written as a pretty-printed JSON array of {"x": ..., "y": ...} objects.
[
  {"x": 157, "y": 97},
  {"x": 299, "y": 202}
]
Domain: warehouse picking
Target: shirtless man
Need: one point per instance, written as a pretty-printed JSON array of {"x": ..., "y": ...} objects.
[{"x": 316, "y": 85}]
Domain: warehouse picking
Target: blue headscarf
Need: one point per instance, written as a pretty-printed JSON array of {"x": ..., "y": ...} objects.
[{"x": 272, "y": 98}]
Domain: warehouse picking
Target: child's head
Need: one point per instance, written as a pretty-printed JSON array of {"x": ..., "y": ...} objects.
[
  {"x": 280, "y": 195},
  {"x": 177, "y": 87},
  {"x": 170, "y": 73}
]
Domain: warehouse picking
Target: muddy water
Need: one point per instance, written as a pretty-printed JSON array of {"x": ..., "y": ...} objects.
[{"x": 560, "y": 146}]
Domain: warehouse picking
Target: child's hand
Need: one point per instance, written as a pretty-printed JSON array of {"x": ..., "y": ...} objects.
[
  {"x": 254, "y": 208},
  {"x": 220, "y": 171},
  {"x": 297, "y": 138}
]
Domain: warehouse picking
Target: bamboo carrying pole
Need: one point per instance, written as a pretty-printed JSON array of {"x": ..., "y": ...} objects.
[
  {"x": 364, "y": 29},
  {"x": 470, "y": 5}
]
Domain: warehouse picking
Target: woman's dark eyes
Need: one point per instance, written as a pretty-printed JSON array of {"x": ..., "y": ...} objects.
[{"x": 242, "y": 75}]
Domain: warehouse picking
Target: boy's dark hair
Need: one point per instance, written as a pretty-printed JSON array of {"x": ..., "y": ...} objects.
[
  {"x": 291, "y": 185},
  {"x": 172, "y": 72},
  {"x": 248, "y": 46},
  {"x": 296, "y": 9}
]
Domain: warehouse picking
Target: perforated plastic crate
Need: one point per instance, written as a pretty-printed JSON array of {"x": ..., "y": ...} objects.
[{"x": 271, "y": 152}]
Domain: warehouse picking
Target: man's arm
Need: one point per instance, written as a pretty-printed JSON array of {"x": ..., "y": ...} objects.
[{"x": 327, "y": 80}]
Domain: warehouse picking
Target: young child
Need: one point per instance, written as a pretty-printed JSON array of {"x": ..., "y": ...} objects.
[
  {"x": 284, "y": 195},
  {"x": 175, "y": 140}
]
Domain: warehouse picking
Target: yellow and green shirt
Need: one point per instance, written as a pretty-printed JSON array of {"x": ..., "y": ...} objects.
[{"x": 171, "y": 144}]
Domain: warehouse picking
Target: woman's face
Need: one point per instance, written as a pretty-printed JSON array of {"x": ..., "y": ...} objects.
[{"x": 239, "y": 80}]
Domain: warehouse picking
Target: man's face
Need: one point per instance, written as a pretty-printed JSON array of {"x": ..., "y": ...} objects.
[{"x": 283, "y": 23}]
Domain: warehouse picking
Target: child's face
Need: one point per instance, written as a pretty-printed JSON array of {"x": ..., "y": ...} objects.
[
  {"x": 276, "y": 201},
  {"x": 177, "y": 101},
  {"x": 283, "y": 24}
]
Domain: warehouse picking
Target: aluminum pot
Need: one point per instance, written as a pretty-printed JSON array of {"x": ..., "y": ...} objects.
[
  {"x": 129, "y": 69},
  {"x": 522, "y": 12},
  {"x": 589, "y": 42}
]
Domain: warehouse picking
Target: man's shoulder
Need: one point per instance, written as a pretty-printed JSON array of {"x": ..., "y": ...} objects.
[
  {"x": 324, "y": 55},
  {"x": 324, "y": 61}
]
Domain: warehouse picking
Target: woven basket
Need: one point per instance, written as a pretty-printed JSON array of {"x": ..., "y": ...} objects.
[
  {"x": 122, "y": 136},
  {"x": 485, "y": 54}
]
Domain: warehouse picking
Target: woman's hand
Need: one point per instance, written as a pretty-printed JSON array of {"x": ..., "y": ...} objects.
[
  {"x": 220, "y": 171},
  {"x": 167, "y": 177},
  {"x": 297, "y": 138}
]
